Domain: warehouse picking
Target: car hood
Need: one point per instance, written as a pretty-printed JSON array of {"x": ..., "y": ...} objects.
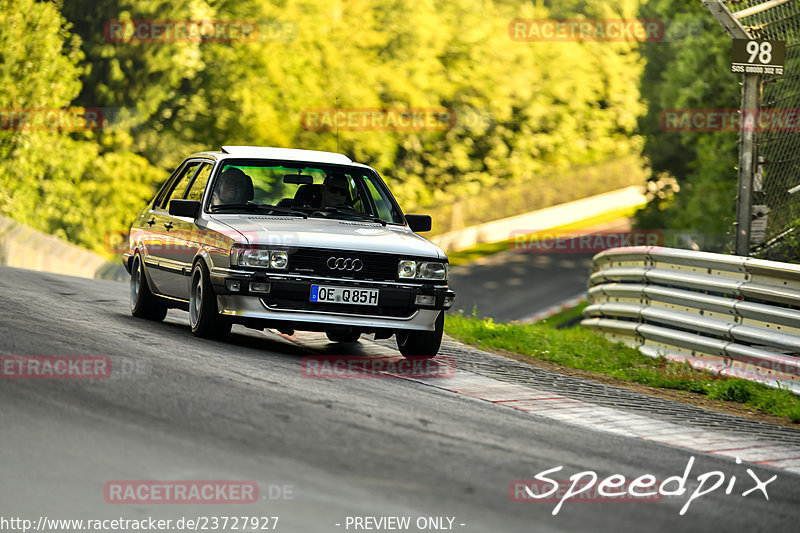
[{"x": 338, "y": 234}]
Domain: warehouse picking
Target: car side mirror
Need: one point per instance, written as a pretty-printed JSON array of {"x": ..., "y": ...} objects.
[
  {"x": 184, "y": 208},
  {"x": 419, "y": 222}
]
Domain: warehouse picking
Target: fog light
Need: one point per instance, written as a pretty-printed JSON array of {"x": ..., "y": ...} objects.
[
  {"x": 425, "y": 299},
  {"x": 448, "y": 301},
  {"x": 258, "y": 286},
  {"x": 233, "y": 285}
]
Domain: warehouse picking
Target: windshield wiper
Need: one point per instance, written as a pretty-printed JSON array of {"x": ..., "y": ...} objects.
[
  {"x": 283, "y": 210},
  {"x": 350, "y": 212},
  {"x": 261, "y": 208}
]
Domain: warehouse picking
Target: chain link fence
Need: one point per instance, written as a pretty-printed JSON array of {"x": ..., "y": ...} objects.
[{"x": 775, "y": 187}]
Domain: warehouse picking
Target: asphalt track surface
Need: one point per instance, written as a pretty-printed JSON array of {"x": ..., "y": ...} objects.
[
  {"x": 241, "y": 410},
  {"x": 518, "y": 283},
  {"x": 512, "y": 286}
]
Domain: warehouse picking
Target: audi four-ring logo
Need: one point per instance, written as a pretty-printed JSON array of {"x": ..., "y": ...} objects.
[{"x": 345, "y": 263}]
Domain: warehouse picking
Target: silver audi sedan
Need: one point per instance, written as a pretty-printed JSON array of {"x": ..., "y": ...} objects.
[{"x": 291, "y": 240}]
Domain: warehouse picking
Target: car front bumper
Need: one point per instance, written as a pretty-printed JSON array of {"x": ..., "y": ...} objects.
[{"x": 287, "y": 302}]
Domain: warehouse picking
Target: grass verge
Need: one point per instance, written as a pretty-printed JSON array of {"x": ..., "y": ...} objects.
[
  {"x": 586, "y": 350},
  {"x": 566, "y": 317}
]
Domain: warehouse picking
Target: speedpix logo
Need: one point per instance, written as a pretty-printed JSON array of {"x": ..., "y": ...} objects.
[{"x": 645, "y": 488}]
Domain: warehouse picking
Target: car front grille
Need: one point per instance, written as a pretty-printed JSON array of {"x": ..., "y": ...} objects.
[{"x": 373, "y": 266}]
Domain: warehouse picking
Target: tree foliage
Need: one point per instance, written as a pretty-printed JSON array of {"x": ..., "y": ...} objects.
[
  {"x": 526, "y": 112},
  {"x": 692, "y": 72}
]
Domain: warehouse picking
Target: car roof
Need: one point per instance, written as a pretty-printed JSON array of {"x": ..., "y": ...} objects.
[{"x": 285, "y": 154}]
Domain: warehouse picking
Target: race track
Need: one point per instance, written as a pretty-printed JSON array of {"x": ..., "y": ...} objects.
[{"x": 320, "y": 450}]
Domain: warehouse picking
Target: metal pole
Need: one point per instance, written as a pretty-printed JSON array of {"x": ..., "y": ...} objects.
[
  {"x": 759, "y": 8},
  {"x": 747, "y": 161},
  {"x": 751, "y": 101}
]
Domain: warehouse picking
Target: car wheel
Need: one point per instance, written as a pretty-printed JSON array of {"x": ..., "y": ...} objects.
[
  {"x": 204, "y": 315},
  {"x": 343, "y": 336},
  {"x": 421, "y": 344},
  {"x": 144, "y": 304}
]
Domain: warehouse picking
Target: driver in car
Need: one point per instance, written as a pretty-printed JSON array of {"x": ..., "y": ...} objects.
[
  {"x": 335, "y": 191},
  {"x": 234, "y": 187}
]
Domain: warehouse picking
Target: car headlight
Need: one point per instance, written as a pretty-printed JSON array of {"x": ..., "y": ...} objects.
[
  {"x": 259, "y": 257},
  {"x": 430, "y": 270},
  {"x": 433, "y": 270},
  {"x": 278, "y": 260},
  {"x": 407, "y": 269}
]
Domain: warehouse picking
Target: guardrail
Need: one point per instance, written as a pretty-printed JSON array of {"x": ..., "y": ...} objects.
[
  {"x": 732, "y": 315},
  {"x": 620, "y": 203},
  {"x": 24, "y": 247}
]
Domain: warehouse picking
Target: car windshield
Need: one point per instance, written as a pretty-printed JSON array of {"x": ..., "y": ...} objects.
[{"x": 317, "y": 190}]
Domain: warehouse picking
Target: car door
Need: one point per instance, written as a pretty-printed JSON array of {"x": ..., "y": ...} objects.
[
  {"x": 185, "y": 236},
  {"x": 162, "y": 241}
]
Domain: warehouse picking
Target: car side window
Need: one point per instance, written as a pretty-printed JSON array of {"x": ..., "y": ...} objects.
[
  {"x": 199, "y": 183},
  {"x": 179, "y": 189},
  {"x": 165, "y": 188}
]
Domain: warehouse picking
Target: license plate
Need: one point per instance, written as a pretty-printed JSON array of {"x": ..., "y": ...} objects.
[{"x": 343, "y": 295}]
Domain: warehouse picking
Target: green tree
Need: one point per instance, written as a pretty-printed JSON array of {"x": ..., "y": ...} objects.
[
  {"x": 55, "y": 179},
  {"x": 527, "y": 113},
  {"x": 691, "y": 72}
]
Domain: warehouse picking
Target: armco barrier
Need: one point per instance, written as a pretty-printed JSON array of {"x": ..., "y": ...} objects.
[
  {"x": 545, "y": 219},
  {"x": 24, "y": 247},
  {"x": 736, "y": 316}
]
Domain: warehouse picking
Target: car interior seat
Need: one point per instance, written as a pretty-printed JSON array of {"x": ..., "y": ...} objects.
[{"x": 309, "y": 195}]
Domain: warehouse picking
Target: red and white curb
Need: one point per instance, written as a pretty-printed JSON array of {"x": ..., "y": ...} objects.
[
  {"x": 619, "y": 422},
  {"x": 596, "y": 417}
]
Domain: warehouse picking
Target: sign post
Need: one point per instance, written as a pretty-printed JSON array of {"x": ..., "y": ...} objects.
[{"x": 751, "y": 92}]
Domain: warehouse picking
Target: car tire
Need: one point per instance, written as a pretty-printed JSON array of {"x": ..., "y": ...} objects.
[
  {"x": 343, "y": 336},
  {"x": 421, "y": 344},
  {"x": 204, "y": 317},
  {"x": 144, "y": 304}
]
